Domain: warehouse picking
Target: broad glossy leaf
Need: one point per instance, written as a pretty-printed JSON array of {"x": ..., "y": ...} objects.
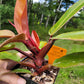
[
  {"x": 75, "y": 59},
  {"x": 76, "y": 36},
  {"x": 11, "y": 56},
  {"x": 16, "y": 38},
  {"x": 67, "y": 15},
  {"x": 35, "y": 37},
  {"x": 20, "y": 17},
  {"x": 7, "y": 47},
  {"x": 21, "y": 71},
  {"x": 6, "y": 33}
]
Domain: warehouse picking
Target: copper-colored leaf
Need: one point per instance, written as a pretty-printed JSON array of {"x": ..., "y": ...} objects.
[
  {"x": 13, "y": 39},
  {"x": 20, "y": 17},
  {"x": 6, "y": 33},
  {"x": 35, "y": 37}
]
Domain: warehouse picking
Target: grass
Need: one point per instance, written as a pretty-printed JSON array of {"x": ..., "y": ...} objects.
[{"x": 73, "y": 75}]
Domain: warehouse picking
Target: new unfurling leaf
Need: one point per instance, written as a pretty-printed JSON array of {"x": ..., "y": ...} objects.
[{"x": 20, "y": 17}]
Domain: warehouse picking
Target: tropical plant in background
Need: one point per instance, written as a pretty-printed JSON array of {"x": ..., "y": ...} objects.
[{"x": 57, "y": 56}]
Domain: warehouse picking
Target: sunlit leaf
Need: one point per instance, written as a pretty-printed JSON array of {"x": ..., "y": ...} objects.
[
  {"x": 76, "y": 36},
  {"x": 7, "y": 47},
  {"x": 6, "y": 33},
  {"x": 16, "y": 38},
  {"x": 75, "y": 59},
  {"x": 42, "y": 43},
  {"x": 35, "y": 37},
  {"x": 11, "y": 56},
  {"x": 45, "y": 49},
  {"x": 21, "y": 71},
  {"x": 67, "y": 15},
  {"x": 20, "y": 17}
]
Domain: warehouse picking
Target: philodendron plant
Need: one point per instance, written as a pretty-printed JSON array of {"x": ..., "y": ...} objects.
[{"x": 57, "y": 56}]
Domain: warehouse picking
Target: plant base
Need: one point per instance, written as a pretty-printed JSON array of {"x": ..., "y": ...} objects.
[{"x": 46, "y": 77}]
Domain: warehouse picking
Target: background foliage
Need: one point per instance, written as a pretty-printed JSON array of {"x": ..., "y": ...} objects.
[{"x": 41, "y": 14}]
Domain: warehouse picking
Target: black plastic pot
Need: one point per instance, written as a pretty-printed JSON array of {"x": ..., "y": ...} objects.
[
  {"x": 49, "y": 78},
  {"x": 29, "y": 81}
]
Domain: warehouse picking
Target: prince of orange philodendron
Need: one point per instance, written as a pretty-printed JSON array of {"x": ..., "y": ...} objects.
[{"x": 32, "y": 42}]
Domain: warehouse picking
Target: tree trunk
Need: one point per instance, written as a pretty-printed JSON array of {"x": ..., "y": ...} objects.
[
  {"x": 29, "y": 9},
  {"x": 59, "y": 5},
  {"x": 0, "y": 1},
  {"x": 55, "y": 20},
  {"x": 0, "y": 14},
  {"x": 47, "y": 21},
  {"x": 41, "y": 18},
  {"x": 65, "y": 26},
  {"x": 83, "y": 9},
  {"x": 57, "y": 11}
]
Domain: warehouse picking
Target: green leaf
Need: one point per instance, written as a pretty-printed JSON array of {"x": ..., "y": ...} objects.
[
  {"x": 6, "y": 33},
  {"x": 21, "y": 71},
  {"x": 7, "y": 47},
  {"x": 75, "y": 59},
  {"x": 16, "y": 38},
  {"x": 76, "y": 36},
  {"x": 11, "y": 56},
  {"x": 42, "y": 43},
  {"x": 67, "y": 15}
]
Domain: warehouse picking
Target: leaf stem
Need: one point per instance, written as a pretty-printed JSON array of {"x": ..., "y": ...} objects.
[
  {"x": 11, "y": 23},
  {"x": 29, "y": 46},
  {"x": 28, "y": 64},
  {"x": 24, "y": 53}
]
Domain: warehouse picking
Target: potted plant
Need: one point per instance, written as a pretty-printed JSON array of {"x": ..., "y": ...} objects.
[{"x": 44, "y": 71}]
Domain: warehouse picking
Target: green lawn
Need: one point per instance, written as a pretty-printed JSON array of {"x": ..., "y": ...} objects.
[{"x": 73, "y": 75}]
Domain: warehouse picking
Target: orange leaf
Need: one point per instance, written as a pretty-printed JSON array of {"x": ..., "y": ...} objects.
[
  {"x": 35, "y": 37},
  {"x": 20, "y": 17}
]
